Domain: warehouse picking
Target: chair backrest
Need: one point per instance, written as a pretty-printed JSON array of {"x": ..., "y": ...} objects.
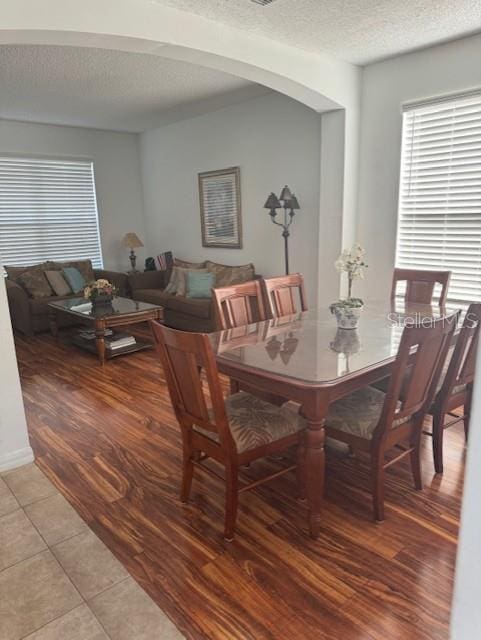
[
  {"x": 420, "y": 285},
  {"x": 420, "y": 359},
  {"x": 183, "y": 356},
  {"x": 239, "y": 304},
  {"x": 281, "y": 293},
  {"x": 461, "y": 367}
]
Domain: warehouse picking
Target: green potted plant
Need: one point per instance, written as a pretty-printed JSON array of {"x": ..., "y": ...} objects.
[{"x": 347, "y": 310}]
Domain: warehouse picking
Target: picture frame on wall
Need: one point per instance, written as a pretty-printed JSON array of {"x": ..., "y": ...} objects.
[{"x": 220, "y": 208}]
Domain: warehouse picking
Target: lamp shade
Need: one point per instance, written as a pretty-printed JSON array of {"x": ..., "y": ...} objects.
[
  {"x": 272, "y": 202},
  {"x": 286, "y": 194},
  {"x": 294, "y": 203},
  {"x": 132, "y": 241}
]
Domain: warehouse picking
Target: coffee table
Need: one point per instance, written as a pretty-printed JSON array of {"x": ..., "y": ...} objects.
[{"x": 122, "y": 312}]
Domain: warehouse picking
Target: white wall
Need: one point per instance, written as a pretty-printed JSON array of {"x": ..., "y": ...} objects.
[
  {"x": 14, "y": 445},
  {"x": 436, "y": 71},
  {"x": 275, "y": 141},
  {"x": 117, "y": 175},
  {"x": 466, "y": 618}
]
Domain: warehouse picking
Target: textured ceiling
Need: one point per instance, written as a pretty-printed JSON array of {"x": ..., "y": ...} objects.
[
  {"x": 358, "y": 31},
  {"x": 109, "y": 89}
]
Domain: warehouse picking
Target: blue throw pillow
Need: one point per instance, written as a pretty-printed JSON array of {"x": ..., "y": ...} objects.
[
  {"x": 74, "y": 278},
  {"x": 199, "y": 284}
]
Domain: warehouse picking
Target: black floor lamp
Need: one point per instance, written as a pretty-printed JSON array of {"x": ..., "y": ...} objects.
[{"x": 289, "y": 203}]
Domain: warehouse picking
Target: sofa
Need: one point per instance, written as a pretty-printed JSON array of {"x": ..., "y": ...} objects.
[
  {"x": 30, "y": 314},
  {"x": 180, "y": 311}
]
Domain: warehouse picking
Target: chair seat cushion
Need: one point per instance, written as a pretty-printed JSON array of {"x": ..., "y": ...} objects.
[
  {"x": 358, "y": 413},
  {"x": 254, "y": 422}
]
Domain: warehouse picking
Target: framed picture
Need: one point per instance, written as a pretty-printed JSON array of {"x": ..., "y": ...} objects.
[{"x": 220, "y": 208}]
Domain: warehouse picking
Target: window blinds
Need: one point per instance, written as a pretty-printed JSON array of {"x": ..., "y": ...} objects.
[
  {"x": 48, "y": 211},
  {"x": 439, "y": 225}
]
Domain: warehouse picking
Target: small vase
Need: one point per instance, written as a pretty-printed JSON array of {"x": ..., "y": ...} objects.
[
  {"x": 102, "y": 301},
  {"x": 347, "y": 317}
]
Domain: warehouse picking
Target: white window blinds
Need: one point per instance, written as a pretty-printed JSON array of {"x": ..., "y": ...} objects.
[
  {"x": 48, "y": 211},
  {"x": 439, "y": 223}
]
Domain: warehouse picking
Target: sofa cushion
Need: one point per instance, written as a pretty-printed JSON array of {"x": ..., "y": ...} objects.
[
  {"x": 199, "y": 307},
  {"x": 14, "y": 273},
  {"x": 153, "y": 296},
  {"x": 226, "y": 275},
  {"x": 58, "y": 283},
  {"x": 185, "y": 264},
  {"x": 39, "y": 306},
  {"x": 35, "y": 283}
]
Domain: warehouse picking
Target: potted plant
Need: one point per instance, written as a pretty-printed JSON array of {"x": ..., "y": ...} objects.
[
  {"x": 100, "y": 292},
  {"x": 347, "y": 310}
]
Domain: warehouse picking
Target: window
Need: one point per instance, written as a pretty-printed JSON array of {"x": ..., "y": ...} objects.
[
  {"x": 48, "y": 211},
  {"x": 439, "y": 224}
]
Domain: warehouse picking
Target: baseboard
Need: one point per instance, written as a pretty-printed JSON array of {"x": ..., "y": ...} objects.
[{"x": 16, "y": 459}]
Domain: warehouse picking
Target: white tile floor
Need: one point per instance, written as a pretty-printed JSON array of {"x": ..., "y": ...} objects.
[{"x": 58, "y": 581}]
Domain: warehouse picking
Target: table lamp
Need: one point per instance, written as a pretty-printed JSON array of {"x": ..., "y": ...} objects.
[{"x": 132, "y": 241}]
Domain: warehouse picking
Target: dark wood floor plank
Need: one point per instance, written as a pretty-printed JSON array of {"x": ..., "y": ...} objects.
[{"x": 107, "y": 437}]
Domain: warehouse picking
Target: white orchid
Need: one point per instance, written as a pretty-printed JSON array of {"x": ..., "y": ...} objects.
[{"x": 352, "y": 263}]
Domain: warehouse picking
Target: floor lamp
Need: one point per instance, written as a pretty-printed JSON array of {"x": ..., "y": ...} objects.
[{"x": 289, "y": 203}]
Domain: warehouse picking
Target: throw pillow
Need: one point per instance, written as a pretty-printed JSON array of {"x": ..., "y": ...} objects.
[
  {"x": 226, "y": 275},
  {"x": 74, "y": 278},
  {"x": 58, "y": 283},
  {"x": 177, "y": 284},
  {"x": 83, "y": 266},
  {"x": 199, "y": 284},
  {"x": 35, "y": 284},
  {"x": 184, "y": 264}
]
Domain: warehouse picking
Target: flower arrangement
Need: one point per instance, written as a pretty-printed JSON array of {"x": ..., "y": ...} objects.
[
  {"x": 99, "y": 289},
  {"x": 347, "y": 310}
]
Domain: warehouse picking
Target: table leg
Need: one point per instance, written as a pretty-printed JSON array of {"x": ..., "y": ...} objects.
[
  {"x": 315, "y": 466},
  {"x": 100, "y": 341},
  {"x": 52, "y": 316}
]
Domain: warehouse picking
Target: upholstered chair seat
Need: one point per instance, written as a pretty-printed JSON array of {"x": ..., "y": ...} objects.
[
  {"x": 358, "y": 413},
  {"x": 254, "y": 422}
]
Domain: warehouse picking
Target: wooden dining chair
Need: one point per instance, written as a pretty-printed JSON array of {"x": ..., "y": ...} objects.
[
  {"x": 420, "y": 285},
  {"x": 234, "y": 431},
  {"x": 455, "y": 386},
  {"x": 374, "y": 422},
  {"x": 281, "y": 293},
  {"x": 239, "y": 304}
]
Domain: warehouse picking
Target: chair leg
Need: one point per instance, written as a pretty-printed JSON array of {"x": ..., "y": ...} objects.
[
  {"x": 301, "y": 467},
  {"x": 377, "y": 473},
  {"x": 467, "y": 410},
  {"x": 234, "y": 386},
  {"x": 438, "y": 436},
  {"x": 187, "y": 474},
  {"x": 231, "y": 501},
  {"x": 416, "y": 462}
]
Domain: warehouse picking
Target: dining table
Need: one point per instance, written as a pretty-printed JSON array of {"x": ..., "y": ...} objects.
[{"x": 305, "y": 358}]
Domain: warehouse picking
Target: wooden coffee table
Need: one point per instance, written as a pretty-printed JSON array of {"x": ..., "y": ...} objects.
[{"x": 121, "y": 313}]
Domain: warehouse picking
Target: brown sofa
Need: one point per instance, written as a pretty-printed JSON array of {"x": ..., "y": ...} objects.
[
  {"x": 180, "y": 312},
  {"x": 31, "y": 315}
]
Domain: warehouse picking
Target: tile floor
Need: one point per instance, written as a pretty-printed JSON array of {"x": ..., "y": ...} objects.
[{"x": 58, "y": 581}]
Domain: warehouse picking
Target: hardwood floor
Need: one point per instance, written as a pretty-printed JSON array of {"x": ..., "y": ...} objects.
[{"x": 109, "y": 441}]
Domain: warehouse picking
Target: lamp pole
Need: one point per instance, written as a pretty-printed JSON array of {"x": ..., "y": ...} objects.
[{"x": 290, "y": 204}]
